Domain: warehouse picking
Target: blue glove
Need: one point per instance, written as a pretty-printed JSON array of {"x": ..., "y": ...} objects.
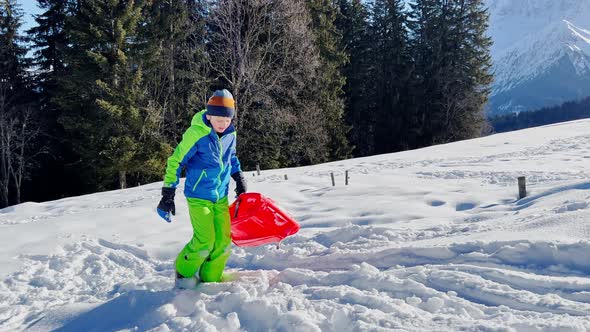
[{"x": 166, "y": 206}]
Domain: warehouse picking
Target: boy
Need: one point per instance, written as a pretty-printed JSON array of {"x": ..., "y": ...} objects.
[{"x": 208, "y": 152}]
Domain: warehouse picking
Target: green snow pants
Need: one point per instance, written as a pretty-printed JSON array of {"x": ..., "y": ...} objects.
[{"x": 210, "y": 246}]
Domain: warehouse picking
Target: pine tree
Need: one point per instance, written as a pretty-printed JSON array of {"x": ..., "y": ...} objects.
[
  {"x": 18, "y": 117},
  {"x": 471, "y": 65},
  {"x": 103, "y": 97},
  {"x": 392, "y": 72},
  {"x": 329, "y": 87},
  {"x": 175, "y": 63},
  {"x": 452, "y": 56},
  {"x": 353, "y": 22},
  {"x": 49, "y": 41},
  {"x": 424, "y": 21},
  {"x": 175, "y": 76}
]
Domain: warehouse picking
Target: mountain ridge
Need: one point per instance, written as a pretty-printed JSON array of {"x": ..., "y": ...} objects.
[{"x": 541, "y": 53}]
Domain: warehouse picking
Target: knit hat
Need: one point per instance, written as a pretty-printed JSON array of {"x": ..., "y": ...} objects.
[{"x": 221, "y": 104}]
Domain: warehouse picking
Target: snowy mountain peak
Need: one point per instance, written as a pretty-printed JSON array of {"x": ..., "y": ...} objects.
[
  {"x": 579, "y": 48},
  {"x": 541, "y": 52}
]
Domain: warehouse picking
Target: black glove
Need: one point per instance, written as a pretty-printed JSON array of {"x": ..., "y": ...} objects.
[
  {"x": 166, "y": 205},
  {"x": 240, "y": 183}
]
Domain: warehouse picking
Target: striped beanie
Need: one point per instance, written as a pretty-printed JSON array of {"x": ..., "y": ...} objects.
[{"x": 221, "y": 104}]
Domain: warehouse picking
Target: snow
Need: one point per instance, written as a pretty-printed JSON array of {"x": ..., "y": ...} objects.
[{"x": 426, "y": 240}]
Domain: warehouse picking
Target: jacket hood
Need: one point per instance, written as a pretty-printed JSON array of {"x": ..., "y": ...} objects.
[{"x": 200, "y": 119}]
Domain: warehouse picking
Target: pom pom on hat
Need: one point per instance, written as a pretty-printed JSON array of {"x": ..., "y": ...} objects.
[{"x": 221, "y": 104}]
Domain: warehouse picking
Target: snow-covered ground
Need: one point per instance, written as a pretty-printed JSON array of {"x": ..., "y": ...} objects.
[{"x": 427, "y": 240}]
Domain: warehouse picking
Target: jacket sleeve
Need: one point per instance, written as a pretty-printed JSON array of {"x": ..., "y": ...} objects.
[
  {"x": 235, "y": 162},
  {"x": 184, "y": 151}
]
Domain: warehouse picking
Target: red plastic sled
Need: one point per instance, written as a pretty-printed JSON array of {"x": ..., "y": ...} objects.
[{"x": 257, "y": 220}]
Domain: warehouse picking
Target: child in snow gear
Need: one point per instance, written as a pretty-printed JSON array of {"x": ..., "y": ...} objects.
[{"x": 208, "y": 153}]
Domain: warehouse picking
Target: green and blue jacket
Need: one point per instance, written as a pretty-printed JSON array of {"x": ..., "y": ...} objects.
[{"x": 209, "y": 160}]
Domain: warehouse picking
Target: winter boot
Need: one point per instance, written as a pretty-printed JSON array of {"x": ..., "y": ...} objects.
[{"x": 184, "y": 282}]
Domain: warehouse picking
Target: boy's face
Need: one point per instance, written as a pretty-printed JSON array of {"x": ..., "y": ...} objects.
[{"x": 219, "y": 123}]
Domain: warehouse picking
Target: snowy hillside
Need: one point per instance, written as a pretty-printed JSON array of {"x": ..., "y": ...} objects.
[
  {"x": 541, "y": 53},
  {"x": 425, "y": 240}
]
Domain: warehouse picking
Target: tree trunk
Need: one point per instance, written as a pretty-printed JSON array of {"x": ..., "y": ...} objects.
[
  {"x": 4, "y": 160},
  {"x": 19, "y": 174},
  {"x": 4, "y": 197},
  {"x": 17, "y": 195},
  {"x": 123, "y": 179}
]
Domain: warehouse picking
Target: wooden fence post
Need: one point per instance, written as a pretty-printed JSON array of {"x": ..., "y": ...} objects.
[
  {"x": 258, "y": 169},
  {"x": 346, "y": 178},
  {"x": 333, "y": 182},
  {"x": 521, "y": 187}
]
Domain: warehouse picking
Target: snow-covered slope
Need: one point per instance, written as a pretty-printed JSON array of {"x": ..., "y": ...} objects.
[
  {"x": 426, "y": 240},
  {"x": 541, "y": 53}
]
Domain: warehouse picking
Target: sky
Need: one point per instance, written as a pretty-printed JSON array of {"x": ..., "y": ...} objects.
[
  {"x": 434, "y": 239},
  {"x": 29, "y": 8}
]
